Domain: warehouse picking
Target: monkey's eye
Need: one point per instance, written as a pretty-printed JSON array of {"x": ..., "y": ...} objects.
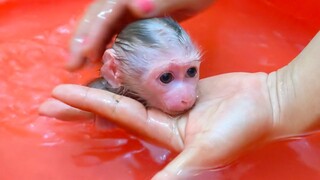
[
  {"x": 166, "y": 78},
  {"x": 191, "y": 72}
]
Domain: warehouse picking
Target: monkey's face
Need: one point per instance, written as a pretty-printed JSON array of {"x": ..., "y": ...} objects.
[{"x": 172, "y": 87}]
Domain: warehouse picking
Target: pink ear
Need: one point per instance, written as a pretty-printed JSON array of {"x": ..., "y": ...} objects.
[{"x": 110, "y": 70}]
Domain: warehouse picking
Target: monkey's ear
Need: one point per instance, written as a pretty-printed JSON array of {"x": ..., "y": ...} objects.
[{"x": 110, "y": 69}]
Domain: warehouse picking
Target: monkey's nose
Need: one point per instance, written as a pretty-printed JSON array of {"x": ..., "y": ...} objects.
[
  {"x": 184, "y": 102},
  {"x": 188, "y": 102},
  {"x": 180, "y": 106}
]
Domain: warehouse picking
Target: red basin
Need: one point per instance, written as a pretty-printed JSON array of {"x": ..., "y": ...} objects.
[{"x": 235, "y": 35}]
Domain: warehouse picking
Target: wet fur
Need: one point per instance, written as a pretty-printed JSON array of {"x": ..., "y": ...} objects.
[{"x": 153, "y": 35}]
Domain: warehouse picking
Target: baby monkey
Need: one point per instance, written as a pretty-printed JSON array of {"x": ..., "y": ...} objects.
[{"x": 155, "y": 62}]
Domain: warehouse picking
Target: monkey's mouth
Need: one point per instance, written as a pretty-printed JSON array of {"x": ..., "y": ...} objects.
[
  {"x": 176, "y": 110},
  {"x": 177, "y": 113}
]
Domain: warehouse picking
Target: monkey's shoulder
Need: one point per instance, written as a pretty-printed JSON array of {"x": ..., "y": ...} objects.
[{"x": 101, "y": 83}]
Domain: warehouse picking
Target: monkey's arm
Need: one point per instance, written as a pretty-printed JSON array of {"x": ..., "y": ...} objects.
[{"x": 104, "y": 18}]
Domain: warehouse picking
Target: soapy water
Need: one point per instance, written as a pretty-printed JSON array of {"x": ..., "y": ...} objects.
[{"x": 34, "y": 38}]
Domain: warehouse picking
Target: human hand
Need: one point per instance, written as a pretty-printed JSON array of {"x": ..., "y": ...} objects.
[
  {"x": 104, "y": 18},
  {"x": 233, "y": 113}
]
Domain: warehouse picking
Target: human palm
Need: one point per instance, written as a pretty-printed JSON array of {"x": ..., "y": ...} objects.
[{"x": 232, "y": 114}]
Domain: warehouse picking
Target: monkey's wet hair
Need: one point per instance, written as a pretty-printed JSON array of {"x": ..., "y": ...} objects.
[{"x": 141, "y": 41}]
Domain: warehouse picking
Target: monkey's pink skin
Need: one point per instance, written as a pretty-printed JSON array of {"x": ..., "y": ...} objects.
[
  {"x": 164, "y": 75},
  {"x": 180, "y": 94}
]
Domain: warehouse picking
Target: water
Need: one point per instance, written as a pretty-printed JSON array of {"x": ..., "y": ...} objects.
[{"x": 34, "y": 36}]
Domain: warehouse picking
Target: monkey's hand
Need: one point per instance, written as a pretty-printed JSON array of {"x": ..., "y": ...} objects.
[{"x": 104, "y": 18}]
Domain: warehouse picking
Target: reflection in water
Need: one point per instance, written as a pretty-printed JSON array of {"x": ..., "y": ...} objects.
[{"x": 307, "y": 153}]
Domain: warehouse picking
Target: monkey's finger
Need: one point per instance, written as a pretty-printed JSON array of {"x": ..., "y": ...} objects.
[
  {"x": 101, "y": 21},
  {"x": 128, "y": 113},
  {"x": 62, "y": 111}
]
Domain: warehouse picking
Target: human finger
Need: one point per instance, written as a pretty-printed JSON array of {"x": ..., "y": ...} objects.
[
  {"x": 176, "y": 169},
  {"x": 78, "y": 57},
  {"x": 100, "y": 22},
  {"x": 179, "y": 9},
  {"x": 62, "y": 111},
  {"x": 104, "y": 18},
  {"x": 152, "y": 125}
]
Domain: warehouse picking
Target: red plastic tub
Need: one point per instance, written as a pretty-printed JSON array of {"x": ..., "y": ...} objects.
[{"x": 235, "y": 35}]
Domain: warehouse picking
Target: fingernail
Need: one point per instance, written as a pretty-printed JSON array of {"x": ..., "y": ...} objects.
[{"x": 146, "y": 6}]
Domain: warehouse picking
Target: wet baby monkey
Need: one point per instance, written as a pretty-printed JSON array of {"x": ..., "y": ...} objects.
[{"x": 155, "y": 62}]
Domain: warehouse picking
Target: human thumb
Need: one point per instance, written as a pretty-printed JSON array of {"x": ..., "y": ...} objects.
[{"x": 184, "y": 166}]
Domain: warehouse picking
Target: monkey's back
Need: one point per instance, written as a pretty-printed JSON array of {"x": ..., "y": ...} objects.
[{"x": 101, "y": 83}]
